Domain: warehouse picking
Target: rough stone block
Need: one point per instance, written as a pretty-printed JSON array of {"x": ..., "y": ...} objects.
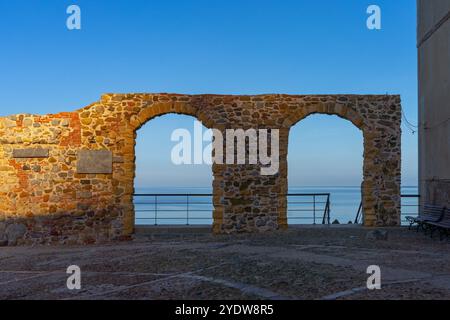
[
  {"x": 15, "y": 232},
  {"x": 84, "y": 195},
  {"x": 118, "y": 159},
  {"x": 9, "y": 123},
  {"x": 94, "y": 162},
  {"x": 377, "y": 235},
  {"x": 31, "y": 153}
]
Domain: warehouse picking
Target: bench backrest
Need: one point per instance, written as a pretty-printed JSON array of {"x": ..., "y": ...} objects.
[
  {"x": 446, "y": 216},
  {"x": 436, "y": 212}
]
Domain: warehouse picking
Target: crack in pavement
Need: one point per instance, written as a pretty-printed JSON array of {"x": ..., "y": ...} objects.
[
  {"x": 393, "y": 274},
  {"x": 142, "y": 284},
  {"x": 39, "y": 275},
  {"x": 244, "y": 288},
  {"x": 352, "y": 291}
]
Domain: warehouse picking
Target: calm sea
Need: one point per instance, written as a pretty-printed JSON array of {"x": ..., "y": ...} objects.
[{"x": 182, "y": 210}]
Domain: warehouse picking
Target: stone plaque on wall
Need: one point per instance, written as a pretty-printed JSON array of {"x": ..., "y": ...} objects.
[
  {"x": 94, "y": 161},
  {"x": 31, "y": 153}
]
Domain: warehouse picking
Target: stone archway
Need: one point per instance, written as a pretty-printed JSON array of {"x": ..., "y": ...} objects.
[
  {"x": 148, "y": 110},
  {"x": 145, "y": 173},
  {"x": 315, "y": 142},
  {"x": 68, "y": 178},
  {"x": 380, "y": 134}
]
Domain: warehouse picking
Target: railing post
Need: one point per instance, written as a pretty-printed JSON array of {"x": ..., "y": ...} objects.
[
  {"x": 325, "y": 210},
  {"x": 187, "y": 210},
  {"x": 329, "y": 209},
  {"x": 314, "y": 209},
  {"x": 358, "y": 213},
  {"x": 156, "y": 210}
]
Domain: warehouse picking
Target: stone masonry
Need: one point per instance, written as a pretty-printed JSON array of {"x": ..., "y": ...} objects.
[{"x": 69, "y": 177}]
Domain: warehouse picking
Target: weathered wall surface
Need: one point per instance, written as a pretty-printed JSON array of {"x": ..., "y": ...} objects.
[
  {"x": 68, "y": 178},
  {"x": 434, "y": 101}
]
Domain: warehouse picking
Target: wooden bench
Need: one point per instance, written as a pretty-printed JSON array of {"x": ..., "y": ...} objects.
[
  {"x": 430, "y": 213},
  {"x": 443, "y": 226}
]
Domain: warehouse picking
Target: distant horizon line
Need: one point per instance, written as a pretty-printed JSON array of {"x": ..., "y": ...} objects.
[{"x": 407, "y": 186}]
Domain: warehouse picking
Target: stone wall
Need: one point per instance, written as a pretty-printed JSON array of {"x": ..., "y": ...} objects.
[{"x": 68, "y": 178}]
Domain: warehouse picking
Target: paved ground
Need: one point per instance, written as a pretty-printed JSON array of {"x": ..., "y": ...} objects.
[{"x": 303, "y": 263}]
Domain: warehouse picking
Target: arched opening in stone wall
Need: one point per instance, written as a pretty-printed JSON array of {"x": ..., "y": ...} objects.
[
  {"x": 173, "y": 183},
  {"x": 311, "y": 169}
]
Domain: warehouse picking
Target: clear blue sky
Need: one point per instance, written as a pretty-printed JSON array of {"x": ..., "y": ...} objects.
[{"x": 208, "y": 46}]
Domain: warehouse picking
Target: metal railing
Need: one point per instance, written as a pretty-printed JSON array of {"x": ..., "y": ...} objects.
[
  {"x": 359, "y": 216},
  {"x": 177, "y": 209},
  {"x": 315, "y": 207},
  {"x": 408, "y": 202},
  {"x": 410, "y": 206},
  {"x": 191, "y": 209}
]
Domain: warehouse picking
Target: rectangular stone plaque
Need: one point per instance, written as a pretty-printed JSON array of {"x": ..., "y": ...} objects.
[
  {"x": 31, "y": 153},
  {"x": 94, "y": 161}
]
